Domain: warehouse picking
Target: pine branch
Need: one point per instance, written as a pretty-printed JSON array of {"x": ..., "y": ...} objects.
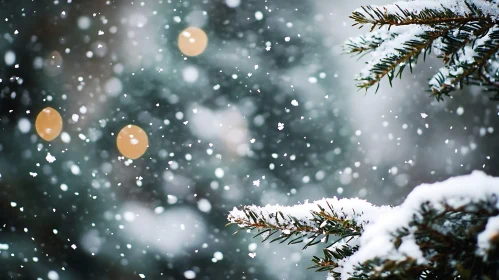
[
  {"x": 458, "y": 38},
  {"x": 312, "y": 222},
  {"x": 454, "y": 27},
  {"x": 448, "y": 230},
  {"x": 418, "y": 13},
  {"x": 369, "y": 42},
  {"x": 433, "y": 232},
  {"x": 467, "y": 61},
  {"x": 402, "y": 51}
]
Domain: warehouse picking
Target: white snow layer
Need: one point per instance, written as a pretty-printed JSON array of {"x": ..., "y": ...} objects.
[
  {"x": 466, "y": 58},
  {"x": 457, "y": 6},
  {"x": 381, "y": 222},
  {"x": 355, "y": 209},
  {"x": 395, "y": 38},
  {"x": 484, "y": 239},
  {"x": 377, "y": 240}
]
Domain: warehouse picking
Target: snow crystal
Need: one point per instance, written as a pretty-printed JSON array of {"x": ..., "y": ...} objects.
[
  {"x": 252, "y": 247},
  {"x": 280, "y": 126},
  {"x": 4, "y": 246},
  {"x": 218, "y": 255},
  {"x": 423, "y": 115},
  {"x": 75, "y": 169},
  {"x": 65, "y": 137},
  {"x": 312, "y": 80},
  {"x": 113, "y": 87},
  {"x": 190, "y": 74},
  {"x": 10, "y": 58},
  {"x": 294, "y": 102},
  {"x": 219, "y": 172},
  {"x": 84, "y": 22},
  {"x": 232, "y": 3},
  {"x": 204, "y": 205},
  {"x": 24, "y": 125},
  {"x": 189, "y": 274},
  {"x": 159, "y": 209},
  {"x": 258, "y": 15},
  {"x": 53, "y": 275},
  {"x": 50, "y": 158}
]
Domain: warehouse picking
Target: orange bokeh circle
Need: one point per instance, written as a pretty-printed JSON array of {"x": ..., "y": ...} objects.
[
  {"x": 48, "y": 124},
  {"x": 132, "y": 141},
  {"x": 192, "y": 41}
]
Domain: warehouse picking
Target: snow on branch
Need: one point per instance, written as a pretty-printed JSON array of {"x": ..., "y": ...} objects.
[
  {"x": 399, "y": 52},
  {"x": 447, "y": 226},
  {"x": 466, "y": 60},
  {"x": 399, "y": 234},
  {"x": 314, "y": 222},
  {"x": 409, "y": 28},
  {"x": 425, "y": 12}
]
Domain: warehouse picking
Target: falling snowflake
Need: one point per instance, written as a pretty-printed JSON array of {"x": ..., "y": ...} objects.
[
  {"x": 423, "y": 115},
  {"x": 280, "y": 126},
  {"x": 256, "y": 183},
  {"x": 50, "y": 158},
  {"x": 294, "y": 102},
  {"x": 252, "y": 255}
]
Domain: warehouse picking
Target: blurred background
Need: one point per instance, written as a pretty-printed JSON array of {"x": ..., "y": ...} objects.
[{"x": 267, "y": 113}]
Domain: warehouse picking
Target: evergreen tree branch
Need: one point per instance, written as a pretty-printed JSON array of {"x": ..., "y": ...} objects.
[
  {"x": 399, "y": 52},
  {"x": 421, "y": 13},
  {"x": 458, "y": 38},
  {"x": 369, "y": 42},
  {"x": 314, "y": 223},
  {"x": 468, "y": 61},
  {"x": 448, "y": 230},
  {"x": 454, "y": 27}
]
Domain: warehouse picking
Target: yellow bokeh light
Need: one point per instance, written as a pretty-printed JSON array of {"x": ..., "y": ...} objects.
[
  {"x": 192, "y": 41},
  {"x": 48, "y": 124},
  {"x": 132, "y": 141}
]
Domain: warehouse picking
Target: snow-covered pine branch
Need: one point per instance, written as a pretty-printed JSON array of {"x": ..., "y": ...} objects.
[
  {"x": 466, "y": 60},
  {"x": 409, "y": 28},
  {"x": 313, "y": 222},
  {"x": 444, "y": 230}
]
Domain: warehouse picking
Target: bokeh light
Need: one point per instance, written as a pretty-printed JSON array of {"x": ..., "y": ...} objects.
[
  {"x": 48, "y": 124},
  {"x": 192, "y": 41},
  {"x": 132, "y": 141}
]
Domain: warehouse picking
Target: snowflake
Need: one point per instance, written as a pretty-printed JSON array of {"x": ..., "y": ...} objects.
[
  {"x": 280, "y": 126},
  {"x": 50, "y": 158}
]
